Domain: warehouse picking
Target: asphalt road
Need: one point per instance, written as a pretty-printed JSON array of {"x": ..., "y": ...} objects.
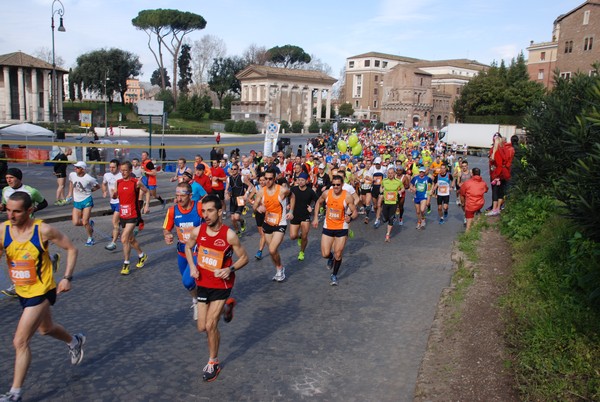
[{"x": 298, "y": 340}]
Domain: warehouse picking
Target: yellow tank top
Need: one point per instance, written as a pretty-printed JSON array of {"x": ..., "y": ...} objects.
[{"x": 29, "y": 265}]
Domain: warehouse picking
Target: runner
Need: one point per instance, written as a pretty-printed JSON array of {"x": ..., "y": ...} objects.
[
  {"x": 405, "y": 179},
  {"x": 377, "y": 172},
  {"x": 14, "y": 177},
  {"x": 271, "y": 201},
  {"x": 81, "y": 186},
  {"x": 214, "y": 272},
  {"x": 419, "y": 185},
  {"x": 391, "y": 187},
  {"x": 25, "y": 242},
  {"x": 235, "y": 193},
  {"x": 60, "y": 171},
  {"x": 184, "y": 216},
  {"x": 127, "y": 192},
  {"x": 181, "y": 169},
  {"x": 336, "y": 225},
  {"x": 301, "y": 207},
  {"x": 109, "y": 183},
  {"x": 149, "y": 181},
  {"x": 442, "y": 183}
]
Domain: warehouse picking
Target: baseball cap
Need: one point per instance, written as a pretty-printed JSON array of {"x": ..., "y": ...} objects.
[
  {"x": 377, "y": 160},
  {"x": 303, "y": 175},
  {"x": 225, "y": 156},
  {"x": 200, "y": 166},
  {"x": 80, "y": 164},
  {"x": 422, "y": 169},
  {"x": 322, "y": 166}
]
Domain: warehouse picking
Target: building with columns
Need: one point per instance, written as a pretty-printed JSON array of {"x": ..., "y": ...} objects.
[
  {"x": 276, "y": 94},
  {"x": 26, "y": 89}
]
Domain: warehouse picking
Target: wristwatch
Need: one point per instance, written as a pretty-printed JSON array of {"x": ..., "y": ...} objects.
[
  {"x": 68, "y": 277},
  {"x": 232, "y": 269}
]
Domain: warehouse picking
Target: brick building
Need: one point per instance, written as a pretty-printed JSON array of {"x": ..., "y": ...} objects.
[{"x": 572, "y": 48}]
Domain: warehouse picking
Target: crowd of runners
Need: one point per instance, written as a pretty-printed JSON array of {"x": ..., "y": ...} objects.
[{"x": 323, "y": 183}]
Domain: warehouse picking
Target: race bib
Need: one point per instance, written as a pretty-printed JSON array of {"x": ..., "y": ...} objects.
[
  {"x": 443, "y": 189},
  {"x": 125, "y": 209},
  {"x": 421, "y": 187},
  {"x": 390, "y": 196},
  {"x": 210, "y": 259},
  {"x": 335, "y": 214},
  {"x": 22, "y": 272},
  {"x": 272, "y": 218},
  {"x": 240, "y": 201},
  {"x": 378, "y": 180},
  {"x": 215, "y": 182}
]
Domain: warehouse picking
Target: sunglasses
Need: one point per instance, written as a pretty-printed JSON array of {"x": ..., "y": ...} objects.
[
  {"x": 269, "y": 178},
  {"x": 336, "y": 185}
]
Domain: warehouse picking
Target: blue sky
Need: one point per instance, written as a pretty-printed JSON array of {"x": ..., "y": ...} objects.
[{"x": 330, "y": 30}]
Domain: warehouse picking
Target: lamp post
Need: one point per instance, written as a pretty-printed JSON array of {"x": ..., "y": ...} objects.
[
  {"x": 60, "y": 10},
  {"x": 105, "y": 104}
]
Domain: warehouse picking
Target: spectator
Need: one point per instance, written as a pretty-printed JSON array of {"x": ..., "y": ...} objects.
[{"x": 471, "y": 196}]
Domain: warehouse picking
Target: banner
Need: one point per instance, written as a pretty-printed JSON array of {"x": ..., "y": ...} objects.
[{"x": 85, "y": 118}]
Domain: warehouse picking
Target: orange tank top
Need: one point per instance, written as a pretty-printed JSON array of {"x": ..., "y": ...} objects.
[
  {"x": 274, "y": 213},
  {"x": 335, "y": 215}
]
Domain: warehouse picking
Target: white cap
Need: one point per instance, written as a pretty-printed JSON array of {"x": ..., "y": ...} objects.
[
  {"x": 322, "y": 166},
  {"x": 225, "y": 156},
  {"x": 377, "y": 160},
  {"x": 81, "y": 164}
]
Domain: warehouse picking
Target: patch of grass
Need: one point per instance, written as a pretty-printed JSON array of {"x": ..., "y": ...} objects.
[{"x": 554, "y": 330}]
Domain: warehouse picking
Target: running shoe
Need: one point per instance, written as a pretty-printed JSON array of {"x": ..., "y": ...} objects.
[
  {"x": 141, "y": 261},
  {"x": 243, "y": 225},
  {"x": 58, "y": 203},
  {"x": 8, "y": 397},
  {"x": 258, "y": 255},
  {"x": 366, "y": 220},
  {"x": 211, "y": 371},
  {"x": 465, "y": 221},
  {"x": 441, "y": 221},
  {"x": 279, "y": 275},
  {"x": 55, "y": 262},
  {"x": 245, "y": 211},
  {"x": 301, "y": 256},
  {"x": 228, "y": 310},
  {"x": 493, "y": 212},
  {"x": 351, "y": 233},
  {"x": 68, "y": 200},
  {"x": 125, "y": 269},
  {"x": 10, "y": 291},
  {"x": 239, "y": 234},
  {"x": 400, "y": 222},
  {"x": 76, "y": 352},
  {"x": 110, "y": 246},
  {"x": 457, "y": 201},
  {"x": 299, "y": 240},
  {"x": 376, "y": 224},
  {"x": 418, "y": 225},
  {"x": 164, "y": 204},
  {"x": 423, "y": 224},
  {"x": 387, "y": 238},
  {"x": 445, "y": 214},
  {"x": 90, "y": 242},
  {"x": 334, "y": 280}
]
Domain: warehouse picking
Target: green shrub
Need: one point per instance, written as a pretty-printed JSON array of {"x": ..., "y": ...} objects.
[
  {"x": 284, "y": 126},
  {"x": 297, "y": 126},
  {"x": 239, "y": 126},
  {"x": 219, "y": 114},
  {"x": 327, "y": 127},
  {"x": 313, "y": 127},
  {"x": 229, "y": 126},
  {"x": 249, "y": 127},
  {"x": 523, "y": 218}
]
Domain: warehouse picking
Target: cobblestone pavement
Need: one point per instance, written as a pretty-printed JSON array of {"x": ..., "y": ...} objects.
[{"x": 297, "y": 340}]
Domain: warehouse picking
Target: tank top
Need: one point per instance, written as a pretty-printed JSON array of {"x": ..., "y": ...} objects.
[
  {"x": 128, "y": 195},
  {"x": 185, "y": 221},
  {"x": 335, "y": 214},
  {"x": 151, "y": 179},
  {"x": 214, "y": 252},
  {"x": 29, "y": 265},
  {"x": 274, "y": 215}
]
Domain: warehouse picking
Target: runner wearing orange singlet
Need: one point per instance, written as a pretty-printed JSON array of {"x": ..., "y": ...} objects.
[{"x": 335, "y": 229}]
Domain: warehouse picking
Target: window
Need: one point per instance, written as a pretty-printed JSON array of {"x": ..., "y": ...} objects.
[
  {"x": 543, "y": 56},
  {"x": 421, "y": 81},
  {"x": 565, "y": 75},
  {"x": 375, "y": 91},
  {"x": 458, "y": 91},
  {"x": 351, "y": 64},
  {"x": 384, "y": 64},
  {"x": 376, "y": 78},
  {"x": 540, "y": 74},
  {"x": 358, "y": 92},
  {"x": 587, "y": 43},
  {"x": 367, "y": 63},
  {"x": 358, "y": 79},
  {"x": 356, "y": 104},
  {"x": 377, "y": 63},
  {"x": 586, "y": 17},
  {"x": 375, "y": 104},
  {"x": 569, "y": 46}
]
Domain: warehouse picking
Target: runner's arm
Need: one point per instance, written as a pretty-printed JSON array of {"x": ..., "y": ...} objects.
[
  {"x": 240, "y": 253},
  {"x": 55, "y": 236},
  {"x": 189, "y": 252}
]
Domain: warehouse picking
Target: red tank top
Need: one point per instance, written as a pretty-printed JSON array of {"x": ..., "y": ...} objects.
[
  {"x": 151, "y": 179},
  {"x": 128, "y": 195},
  {"x": 214, "y": 252}
]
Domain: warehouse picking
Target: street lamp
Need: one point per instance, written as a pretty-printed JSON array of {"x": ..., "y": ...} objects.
[{"x": 60, "y": 10}]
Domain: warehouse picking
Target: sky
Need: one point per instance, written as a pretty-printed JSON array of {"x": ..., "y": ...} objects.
[{"x": 331, "y": 30}]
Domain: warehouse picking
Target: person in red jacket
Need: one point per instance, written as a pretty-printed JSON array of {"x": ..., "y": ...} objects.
[
  {"x": 499, "y": 174},
  {"x": 202, "y": 178},
  {"x": 471, "y": 195}
]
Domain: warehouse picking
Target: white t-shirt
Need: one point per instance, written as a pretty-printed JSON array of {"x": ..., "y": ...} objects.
[
  {"x": 111, "y": 182},
  {"x": 82, "y": 186}
]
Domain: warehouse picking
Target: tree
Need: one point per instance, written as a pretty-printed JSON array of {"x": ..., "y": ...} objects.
[
  {"x": 158, "y": 75},
  {"x": 107, "y": 71},
  {"x": 316, "y": 64},
  {"x": 185, "y": 69},
  {"x": 222, "y": 78},
  {"x": 166, "y": 96},
  {"x": 255, "y": 54},
  {"x": 288, "y": 56},
  {"x": 164, "y": 23},
  {"x": 204, "y": 52},
  {"x": 346, "y": 110},
  {"x": 45, "y": 54}
]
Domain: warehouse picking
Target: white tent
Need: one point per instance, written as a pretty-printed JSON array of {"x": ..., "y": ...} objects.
[{"x": 26, "y": 130}]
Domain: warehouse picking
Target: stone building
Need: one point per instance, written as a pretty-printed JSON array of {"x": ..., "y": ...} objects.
[
  {"x": 276, "y": 94},
  {"x": 26, "y": 89},
  {"x": 401, "y": 89},
  {"x": 572, "y": 48}
]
